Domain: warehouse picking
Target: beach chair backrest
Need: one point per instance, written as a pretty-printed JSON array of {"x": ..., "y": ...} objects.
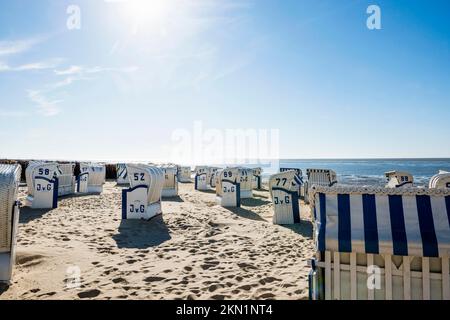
[
  {"x": 321, "y": 177},
  {"x": 440, "y": 180},
  {"x": 228, "y": 175},
  {"x": 97, "y": 173},
  {"x": 403, "y": 222},
  {"x": 283, "y": 188},
  {"x": 170, "y": 176},
  {"x": 246, "y": 179},
  {"x": 399, "y": 179},
  {"x": 37, "y": 169},
  {"x": 184, "y": 173},
  {"x": 256, "y": 180},
  {"x": 150, "y": 176},
  {"x": 9, "y": 185},
  {"x": 380, "y": 243}
]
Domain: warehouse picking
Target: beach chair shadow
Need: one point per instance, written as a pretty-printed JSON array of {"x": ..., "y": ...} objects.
[
  {"x": 27, "y": 214},
  {"x": 139, "y": 234},
  {"x": 173, "y": 199},
  {"x": 247, "y": 214},
  {"x": 3, "y": 288},
  {"x": 254, "y": 202},
  {"x": 304, "y": 228}
]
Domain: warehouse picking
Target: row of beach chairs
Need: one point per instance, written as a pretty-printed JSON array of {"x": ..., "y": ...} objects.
[{"x": 371, "y": 242}]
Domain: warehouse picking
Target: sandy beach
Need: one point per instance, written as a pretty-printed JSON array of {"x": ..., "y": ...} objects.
[{"x": 195, "y": 250}]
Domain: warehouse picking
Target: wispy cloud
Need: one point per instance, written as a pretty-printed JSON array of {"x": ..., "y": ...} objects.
[
  {"x": 45, "y": 106},
  {"x": 18, "y": 46},
  {"x": 40, "y": 65},
  {"x": 80, "y": 70}
]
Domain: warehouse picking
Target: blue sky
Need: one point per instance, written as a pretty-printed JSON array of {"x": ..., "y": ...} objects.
[{"x": 121, "y": 85}]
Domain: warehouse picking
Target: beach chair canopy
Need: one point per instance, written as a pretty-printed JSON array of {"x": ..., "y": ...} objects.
[
  {"x": 397, "y": 179},
  {"x": 9, "y": 184},
  {"x": 48, "y": 170},
  {"x": 440, "y": 180},
  {"x": 321, "y": 177},
  {"x": 150, "y": 176},
  {"x": 97, "y": 173},
  {"x": 228, "y": 174},
  {"x": 245, "y": 179},
  {"x": 403, "y": 222},
  {"x": 170, "y": 175},
  {"x": 286, "y": 180}
]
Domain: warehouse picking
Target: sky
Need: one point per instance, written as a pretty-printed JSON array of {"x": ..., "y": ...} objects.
[{"x": 161, "y": 80}]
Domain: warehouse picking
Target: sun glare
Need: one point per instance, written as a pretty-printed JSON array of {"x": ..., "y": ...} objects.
[{"x": 148, "y": 15}]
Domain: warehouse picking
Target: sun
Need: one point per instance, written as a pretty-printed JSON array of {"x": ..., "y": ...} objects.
[{"x": 147, "y": 15}]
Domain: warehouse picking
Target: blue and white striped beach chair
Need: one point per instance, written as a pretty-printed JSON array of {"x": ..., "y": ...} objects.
[
  {"x": 318, "y": 177},
  {"x": 380, "y": 243},
  {"x": 9, "y": 218}
]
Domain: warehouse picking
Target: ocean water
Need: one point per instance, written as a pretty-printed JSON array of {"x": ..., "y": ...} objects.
[{"x": 371, "y": 171}]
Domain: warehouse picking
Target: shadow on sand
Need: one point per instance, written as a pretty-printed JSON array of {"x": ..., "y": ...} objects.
[
  {"x": 247, "y": 214},
  {"x": 254, "y": 202},
  {"x": 304, "y": 228},
  {"x": 173, "y": 199},
  {"x": 141, "y": 234},
  {"x": 27, "y": 214},
  {"x": 3, "y": 288}
]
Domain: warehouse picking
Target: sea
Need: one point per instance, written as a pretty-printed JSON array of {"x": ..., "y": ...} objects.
[{"x": 371, "y": 171}]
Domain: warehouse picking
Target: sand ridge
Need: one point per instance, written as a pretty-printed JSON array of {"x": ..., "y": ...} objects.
[{"x": 195, "y": 250}]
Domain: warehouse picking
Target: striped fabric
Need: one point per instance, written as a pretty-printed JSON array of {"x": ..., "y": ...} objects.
[
  {"x": 404, "y": 222},
  {"x": 9, "y": 185},
  {"x": 321, "y": 177},
  {"x": 122, "y": 176}
]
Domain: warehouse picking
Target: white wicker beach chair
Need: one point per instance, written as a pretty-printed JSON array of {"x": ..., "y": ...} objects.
[
  {"x": 399, "y": 179},
  {"x": 184, "y": 174},
  {"x": 121, "y": 173},
  {"x": 212, "y": 176},
  {"x": 66, "y": 179},
  {"x": 92, "y": 178},
  {"x": 318, "y": 177},
  {"x": 143, "y": 199},
  {"x": 283, "y": 188},
  {"x": 42, "y": 183},
  {"x": 440, "y": 180},
  {"x": 170, "y": 188},
  {"x": 201, "y": 178},
  {"x": 9, "y": 218},
  {"x": 246, "y": 182},
  {"x": 228, "y": 188},
  {"x": 380, "y": 243},
  {"x": 257, "y": 179}
]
